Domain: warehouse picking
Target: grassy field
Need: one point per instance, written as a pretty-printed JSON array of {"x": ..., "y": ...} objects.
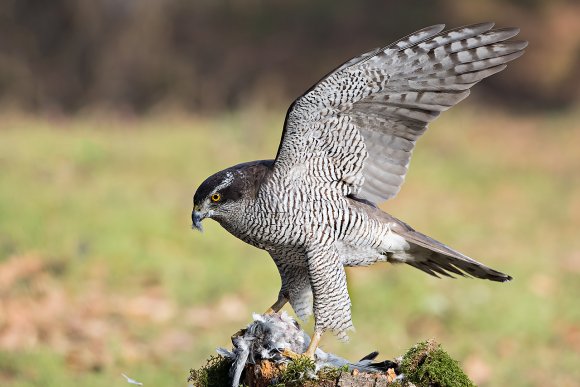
[{"x": 100, "y": 273}]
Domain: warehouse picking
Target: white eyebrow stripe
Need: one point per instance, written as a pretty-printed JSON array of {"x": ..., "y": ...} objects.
[{"x": 226, "y": 182}]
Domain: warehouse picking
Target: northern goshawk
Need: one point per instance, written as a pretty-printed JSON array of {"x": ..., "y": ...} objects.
[{"x": 345, "y": 148}]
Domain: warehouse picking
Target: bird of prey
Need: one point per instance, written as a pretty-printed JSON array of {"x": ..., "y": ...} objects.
[{"x": 345, "y": 148}]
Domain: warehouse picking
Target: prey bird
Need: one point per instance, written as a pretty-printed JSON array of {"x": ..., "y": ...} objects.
[
  {"x": 345, "y": 148},
  {"x": 270, "y": 336}
]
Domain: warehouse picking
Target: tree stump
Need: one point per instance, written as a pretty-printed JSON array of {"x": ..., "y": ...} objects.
[{"x": 424, "y": 365}]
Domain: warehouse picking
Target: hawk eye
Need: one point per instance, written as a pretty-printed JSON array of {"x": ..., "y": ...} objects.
[{"x": 216, "y": 197}]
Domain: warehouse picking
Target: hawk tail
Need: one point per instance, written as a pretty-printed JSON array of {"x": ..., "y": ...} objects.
[{"x": 435, "y": 258}]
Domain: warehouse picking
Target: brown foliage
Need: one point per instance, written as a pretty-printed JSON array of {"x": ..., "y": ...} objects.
[{"x": 93, "y": 328}]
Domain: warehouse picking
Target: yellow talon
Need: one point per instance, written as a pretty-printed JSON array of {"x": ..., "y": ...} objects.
[
  {"x": 280, "y": 302},
  {"x": 313, "y": 345},
  {"x": 310, "y": 351},
  {"x": 290, "y": 354}
]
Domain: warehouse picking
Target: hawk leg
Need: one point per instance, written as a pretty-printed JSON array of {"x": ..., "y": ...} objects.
[
  {"x": 280, "y": 302},
  {"x": 295, "y": 287},
  {"x": 331, "y": 299},
  {"x": 314, "y": 340},
  {"x": 310, "y": 351}
]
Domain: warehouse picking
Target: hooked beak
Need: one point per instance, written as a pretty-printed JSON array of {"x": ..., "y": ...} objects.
[{"x": 196, "y": 218}]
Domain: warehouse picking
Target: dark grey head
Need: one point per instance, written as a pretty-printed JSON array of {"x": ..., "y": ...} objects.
[{"x": 220, "y": 196}]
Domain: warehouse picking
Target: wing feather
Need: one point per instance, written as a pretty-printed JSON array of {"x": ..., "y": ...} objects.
[{"x": 355, "y": 130}]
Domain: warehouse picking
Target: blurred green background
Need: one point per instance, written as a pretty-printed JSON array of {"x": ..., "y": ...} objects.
[{"x": 112, "y": 113}]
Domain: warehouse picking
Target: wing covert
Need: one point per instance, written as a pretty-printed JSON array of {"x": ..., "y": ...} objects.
[{"x": 354, "y": 131}]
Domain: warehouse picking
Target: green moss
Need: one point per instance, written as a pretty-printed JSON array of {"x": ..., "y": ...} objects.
[
  {"x": 297, "y": 371},
  {"x": 215, "y": 373},
  {"x": 328, "y": 373},
  {"x": 427, "y": 364}
]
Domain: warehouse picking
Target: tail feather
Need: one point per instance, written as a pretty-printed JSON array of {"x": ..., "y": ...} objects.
[
  {"x": 425, "y": 253},
  {"x": 435, "y": 270},
  {"x": 435, "y": 258}
]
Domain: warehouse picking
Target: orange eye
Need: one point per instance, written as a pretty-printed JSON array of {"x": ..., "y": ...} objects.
[{"x": 216, "y": 197}]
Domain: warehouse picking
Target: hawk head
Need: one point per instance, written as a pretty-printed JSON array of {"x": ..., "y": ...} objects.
[{"x": 221, "y": 195}]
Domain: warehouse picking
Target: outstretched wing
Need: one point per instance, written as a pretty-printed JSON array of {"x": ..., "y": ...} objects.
[{"x": 354, "y": 131}]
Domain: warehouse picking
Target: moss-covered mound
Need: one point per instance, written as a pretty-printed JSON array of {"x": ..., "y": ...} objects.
[
  {"x": 298, "y": 372},
  {"x": 215, "y": 373},
  {"x": 427, "y": 364},
  {"x": 424, "y": 365}
]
